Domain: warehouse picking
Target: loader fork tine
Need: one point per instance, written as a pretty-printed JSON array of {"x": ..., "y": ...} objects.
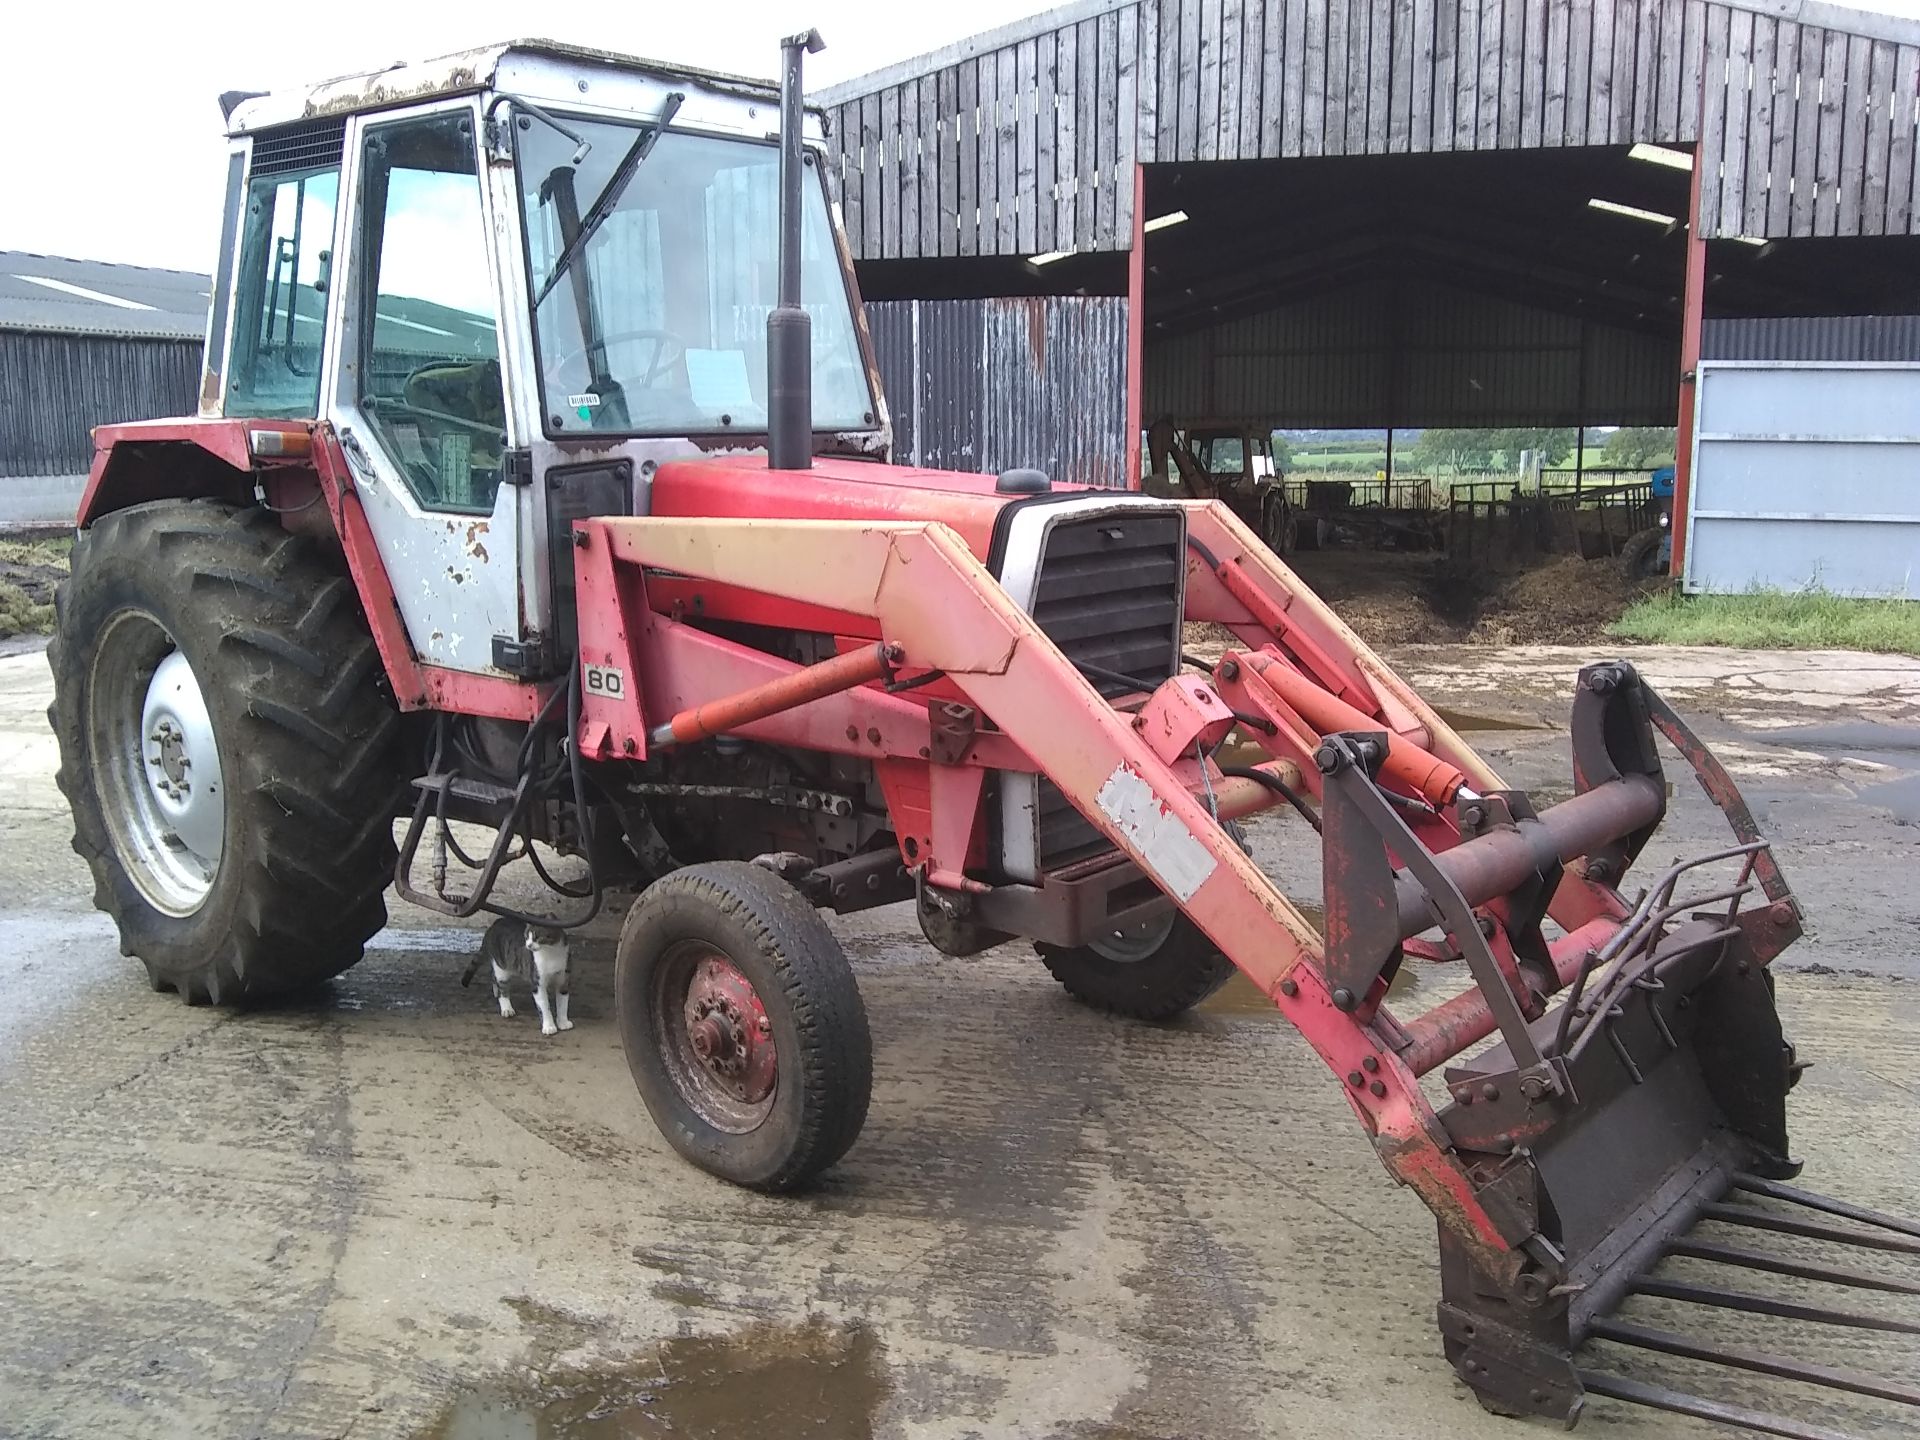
[
  {"x": 1756, "y": 1218},
  {"x": 1696, "y": 1294},
  {"x": 1723, "y": 1254},
  {"x": 1659, "y": 1397},
  {"x": 1762, "y": 1362},
  {"x": 1773, "y": 1189}
]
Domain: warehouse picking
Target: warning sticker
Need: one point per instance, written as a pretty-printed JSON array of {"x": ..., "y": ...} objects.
[{"x": 1172, "y": 852}]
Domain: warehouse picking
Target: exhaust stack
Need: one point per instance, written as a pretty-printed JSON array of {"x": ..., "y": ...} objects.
[{"x": 789, "y": 328}]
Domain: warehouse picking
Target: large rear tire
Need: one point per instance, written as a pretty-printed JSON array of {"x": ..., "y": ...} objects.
[
  {"x": 1640, "y": 556},
  {"x": 225, "y": 747},
  {"x": 742, "y": 1025}
]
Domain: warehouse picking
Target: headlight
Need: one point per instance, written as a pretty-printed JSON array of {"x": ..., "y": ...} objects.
[{"x": 1665, "y": 520}]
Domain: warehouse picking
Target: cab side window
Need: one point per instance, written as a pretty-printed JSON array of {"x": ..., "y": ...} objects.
[
  {"x": 429, "y": 345},
  {"x": 286, "y": 261}
]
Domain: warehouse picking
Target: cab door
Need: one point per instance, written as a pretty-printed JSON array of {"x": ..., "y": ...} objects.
[{"x": 418, "y": 393}]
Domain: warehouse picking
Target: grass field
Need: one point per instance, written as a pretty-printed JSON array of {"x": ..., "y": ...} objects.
[{"x": 1774, "y": 620}]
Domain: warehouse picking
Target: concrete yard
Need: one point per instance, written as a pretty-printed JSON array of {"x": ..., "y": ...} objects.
[{"x": 386, "y": 1212}]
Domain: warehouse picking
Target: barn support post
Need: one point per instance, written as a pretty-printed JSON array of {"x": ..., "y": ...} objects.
[
  {"x": 1692, "y": 309},
  {"x": 1136, "y": 323}
]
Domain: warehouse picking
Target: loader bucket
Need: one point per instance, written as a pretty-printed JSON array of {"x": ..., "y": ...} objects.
[{"x": 1599, "y": 1130}]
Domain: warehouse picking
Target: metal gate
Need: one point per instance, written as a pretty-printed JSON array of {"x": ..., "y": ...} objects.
[{"x": 1806, "y": 475}]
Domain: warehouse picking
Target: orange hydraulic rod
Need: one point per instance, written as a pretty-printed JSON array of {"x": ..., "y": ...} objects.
[
  {"x": 813, "y": 682},
  {"x": 1408, "y": 765},
  {"x": 1236, "y": 796}
]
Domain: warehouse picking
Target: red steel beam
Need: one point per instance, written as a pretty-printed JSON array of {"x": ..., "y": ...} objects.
[
  {"x": 1693, "y": 307},
  {"x": 1136, "y": 324}
]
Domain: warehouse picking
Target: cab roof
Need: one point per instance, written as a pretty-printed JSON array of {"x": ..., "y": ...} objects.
[{"x": 467, "y": 71}]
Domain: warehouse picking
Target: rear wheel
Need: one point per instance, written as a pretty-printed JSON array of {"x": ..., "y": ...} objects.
[
  {"x": 225, "y": 748},
  {"x": 1153, "y": 971},
  {"x": 1279, "y": 527},
  {"x": 742, "y": 1025},
  {"x": 1640, "y": 556}
]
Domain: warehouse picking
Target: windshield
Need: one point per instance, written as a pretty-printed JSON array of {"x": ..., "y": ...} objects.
[{"x": 657, "y": 323}]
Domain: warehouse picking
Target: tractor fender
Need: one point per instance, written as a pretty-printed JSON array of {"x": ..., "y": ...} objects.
[{"x": 183, "y": 459}]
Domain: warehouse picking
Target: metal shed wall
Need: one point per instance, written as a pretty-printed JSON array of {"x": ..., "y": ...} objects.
[
  {"x": 1023, "y": 140},
  {"x": 55, "y": 388},
  {"x": 1812, "y": 337},
  {"x": 991, "y": 384},
  {"x": 1427, "y": 355},
  {"x": 1806, "y": 474}
]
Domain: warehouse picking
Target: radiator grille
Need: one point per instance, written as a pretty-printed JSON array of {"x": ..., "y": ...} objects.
[{"x": 1110, "y": 594}]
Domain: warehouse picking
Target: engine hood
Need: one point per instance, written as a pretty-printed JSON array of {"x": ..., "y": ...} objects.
[{"x": 835, "y": 489}]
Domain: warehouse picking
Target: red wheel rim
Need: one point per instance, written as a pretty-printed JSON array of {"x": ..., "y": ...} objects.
[{"x": 716, "y": 1037}]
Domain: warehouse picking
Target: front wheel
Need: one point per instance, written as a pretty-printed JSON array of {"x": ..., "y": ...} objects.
[
  {"x": 1153, "y": 971},
  {"x": 742, "y": 1025}
]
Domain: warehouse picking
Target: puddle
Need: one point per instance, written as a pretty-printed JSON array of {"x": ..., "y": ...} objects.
[
  {"x": 1240, "y": 996},
  {"x": 795, "y": 1381},
  {"x": 1902, "y": 797},
  {"x": 1897, "y": 747}
]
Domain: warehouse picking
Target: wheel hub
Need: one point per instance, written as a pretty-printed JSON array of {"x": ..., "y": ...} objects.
[
  {"x": 182, "y": 769},
  {"x": 729, "y": 1032}
]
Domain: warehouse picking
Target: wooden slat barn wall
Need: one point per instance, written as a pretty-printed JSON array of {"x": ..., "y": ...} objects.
[
  {"x": 1807, "y": 130},
  {"x": 1018, "y": 149},
  {"x": 1023, "y": 140}
]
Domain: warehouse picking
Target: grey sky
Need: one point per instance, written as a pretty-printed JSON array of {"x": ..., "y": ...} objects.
[{"x": 116, "y": 151}]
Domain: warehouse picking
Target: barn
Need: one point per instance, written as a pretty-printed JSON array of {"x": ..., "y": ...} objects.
[
  {"x": 1418, "y": 213},
  {"x": 82, "y": 343}
]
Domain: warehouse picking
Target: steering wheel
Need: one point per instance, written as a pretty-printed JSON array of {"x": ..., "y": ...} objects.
[
  {"x": 385, "y": 404},
  {"x": 667, "y": 347}
]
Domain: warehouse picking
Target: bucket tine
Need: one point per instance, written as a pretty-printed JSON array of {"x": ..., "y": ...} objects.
[
  {"x": 1762, "y": 1362},
  {"x": 1754, "y": 1216},
  {"x": 1697, "y": 1294},
  {"x": 1773, "y": 1189},
  {"x": 1786, "y": 1265},
  {"x": 1639, "y": 1392}
]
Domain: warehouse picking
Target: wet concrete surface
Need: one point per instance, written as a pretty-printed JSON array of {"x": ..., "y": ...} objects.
[{"x": 385, "y": 1212}]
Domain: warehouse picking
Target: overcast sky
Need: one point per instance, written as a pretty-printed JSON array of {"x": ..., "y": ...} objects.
[{"x": 115, "y": 151}]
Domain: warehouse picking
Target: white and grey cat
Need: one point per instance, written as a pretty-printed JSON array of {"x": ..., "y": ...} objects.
[{"x": 533, "y": 956}]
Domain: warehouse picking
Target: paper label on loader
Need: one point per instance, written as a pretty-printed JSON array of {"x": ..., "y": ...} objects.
[{"x": 1173, "y": 852}]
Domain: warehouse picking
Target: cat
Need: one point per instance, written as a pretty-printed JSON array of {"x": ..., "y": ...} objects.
[{"x": 535, "y": 956}]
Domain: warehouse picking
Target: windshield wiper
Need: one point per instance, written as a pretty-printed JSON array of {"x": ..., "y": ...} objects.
[{"x": 616, "y": 186}]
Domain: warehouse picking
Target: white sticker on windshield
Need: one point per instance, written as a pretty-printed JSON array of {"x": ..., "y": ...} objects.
[
  {"x": 583, "y": 402},
  {"x": 718, "y": 381}
]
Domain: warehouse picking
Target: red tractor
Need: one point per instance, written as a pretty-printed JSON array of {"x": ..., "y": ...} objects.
[{"x": 538, "y": 484}]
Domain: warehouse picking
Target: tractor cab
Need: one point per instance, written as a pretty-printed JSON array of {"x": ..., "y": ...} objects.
[
  {"x": 1234, "y": 463},
  {"x": 515, "y": 281}
]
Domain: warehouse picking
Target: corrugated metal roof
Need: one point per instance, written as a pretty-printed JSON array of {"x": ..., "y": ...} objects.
[{"x": 89, "y": 297}]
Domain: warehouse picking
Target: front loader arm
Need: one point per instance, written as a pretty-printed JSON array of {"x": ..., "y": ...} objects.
[
  {"x": 1573, "y": 1152},
  {"x": 934, "y": 599}
]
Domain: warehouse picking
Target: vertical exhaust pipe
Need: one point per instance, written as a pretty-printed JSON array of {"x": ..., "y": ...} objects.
[{"x": 789, "y": 328}]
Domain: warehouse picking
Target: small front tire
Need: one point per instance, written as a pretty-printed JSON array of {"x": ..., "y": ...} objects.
[
  {"x": 1154, "y": 971},
  {"x": 742, "y": 1025}
]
